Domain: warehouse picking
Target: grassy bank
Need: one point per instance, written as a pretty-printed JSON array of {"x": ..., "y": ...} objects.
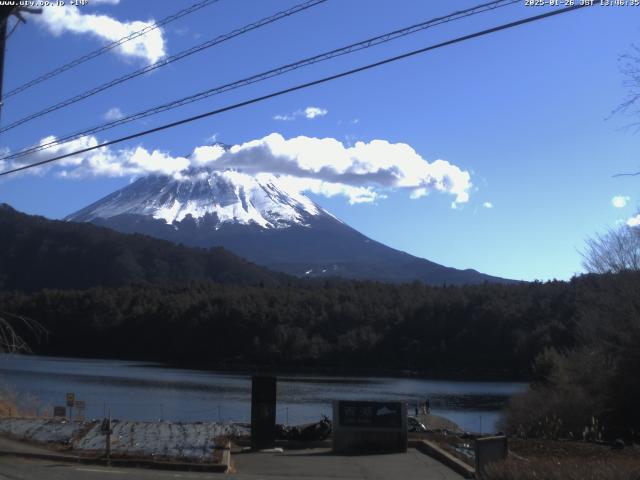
[{"x": 566, "y": 460}]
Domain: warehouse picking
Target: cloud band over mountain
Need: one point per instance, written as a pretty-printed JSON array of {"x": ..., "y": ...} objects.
[{"x": 363, "y": 172}]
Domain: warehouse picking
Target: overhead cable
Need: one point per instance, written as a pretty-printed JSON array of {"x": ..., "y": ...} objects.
[
  {"x": 368, "y": 43},
  {"x": 166, "y": 61},
  {"x": 96, "y": 53},
  {"x": 302, "y": 86}
]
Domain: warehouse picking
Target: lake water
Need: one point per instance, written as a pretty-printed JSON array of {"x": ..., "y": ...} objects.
[{"x": 146, "y": 391}]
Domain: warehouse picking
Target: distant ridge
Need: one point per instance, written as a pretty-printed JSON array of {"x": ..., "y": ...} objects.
[{"x": 39, "y": 253}]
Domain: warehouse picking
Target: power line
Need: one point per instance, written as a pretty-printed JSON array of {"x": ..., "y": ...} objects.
[
  {"x": 634, "y": 174},
  {"x": 162, "y": 63},
  {"x": 13, "y": 29},
  {"x": 5, "y": 12},
  {"x": 305, "y": 85},
  {"x": 138, "y": 33},
  {"x": 368, "y": 43}
]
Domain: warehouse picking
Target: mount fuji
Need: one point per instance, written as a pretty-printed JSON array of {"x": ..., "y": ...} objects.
[{"x": 262, "y": 219}]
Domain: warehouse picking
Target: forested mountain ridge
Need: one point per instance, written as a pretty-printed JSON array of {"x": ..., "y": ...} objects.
[
  {"x": 475, "y": 331},
  {"x": 41, "y": 253}
]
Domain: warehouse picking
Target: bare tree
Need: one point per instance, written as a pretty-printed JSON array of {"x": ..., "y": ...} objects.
[
  {"x": 11, "y": 338},
  {"x": 630, "y": 68},
  {"x": 616, "y": 250}
]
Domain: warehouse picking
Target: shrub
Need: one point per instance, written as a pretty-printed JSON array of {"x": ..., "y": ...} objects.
[{"x": 565, "y": 469}]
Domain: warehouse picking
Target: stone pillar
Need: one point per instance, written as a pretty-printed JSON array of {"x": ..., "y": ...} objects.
[{"x": 263, "y": 412}]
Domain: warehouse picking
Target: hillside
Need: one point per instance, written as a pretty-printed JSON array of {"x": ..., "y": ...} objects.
[{"x": 40, "y": 253}]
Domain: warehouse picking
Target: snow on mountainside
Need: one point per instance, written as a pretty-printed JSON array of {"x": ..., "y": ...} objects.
[{"x": 229, "y": 196}]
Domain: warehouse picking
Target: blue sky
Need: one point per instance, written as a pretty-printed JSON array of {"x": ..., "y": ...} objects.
[{"x": 524, "y": 112}]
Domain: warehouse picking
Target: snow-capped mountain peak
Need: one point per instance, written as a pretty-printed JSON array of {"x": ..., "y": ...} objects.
[{"x": 227, "y": 197}]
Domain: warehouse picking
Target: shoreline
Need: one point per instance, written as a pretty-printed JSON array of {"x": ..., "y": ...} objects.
[
  {"x": 463, "y": 402},
  {"x": 439, "y": 375}
]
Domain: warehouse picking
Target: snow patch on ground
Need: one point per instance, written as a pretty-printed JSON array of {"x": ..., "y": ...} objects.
[{"x": 191, "y": 442}]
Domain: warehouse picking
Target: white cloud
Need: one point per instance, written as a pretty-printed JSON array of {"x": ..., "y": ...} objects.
[
  {"x": 103, "y": 161},
  {"x": 114, "y": 114},
  {"x": 634, "y": 221},
  {"x": 620, "y": 201},
  {"x": 419, "y": 193},
  {"x": 69, "y": 18},
  {"x": 285, "y": 117},
  {"x": 156, "y": 161},
  {"x": 313, "y": 112},
  {"x": 206, "y": 154},
  {"x": 309, "y": 113},
  {"x": 377, "y": 165},
  {"x": 487, "y": 205},
  {"x": 363, "y": 173}
]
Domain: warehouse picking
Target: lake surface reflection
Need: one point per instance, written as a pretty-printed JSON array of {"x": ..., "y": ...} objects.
[{"x": 145, "y": 391}]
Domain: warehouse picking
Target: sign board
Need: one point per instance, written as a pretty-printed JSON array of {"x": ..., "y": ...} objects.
[
  {"x": 361, "y": 427},
  {"x": 370, "y": 414},
  {"x": 263, "y": 412},
  {"x": 59, "y": 411},
  {"x": 489, "y": 450},
  {"x": 79, "y": 405},
  {"x": 71, "y": 398}
]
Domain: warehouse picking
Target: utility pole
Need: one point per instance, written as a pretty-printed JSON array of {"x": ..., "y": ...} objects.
[
  {"x": 107, "y": 429},
  {"x": 5, "y": 12}
]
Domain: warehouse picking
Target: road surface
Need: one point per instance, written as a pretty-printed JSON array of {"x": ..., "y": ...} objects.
[{"x": 305, "y": 464}]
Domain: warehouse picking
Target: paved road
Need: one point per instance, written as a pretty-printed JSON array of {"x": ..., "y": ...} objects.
[
  {"x": 306, "y": 464},
  {"x": 14, "y": 468},
  {"x": 314, "y": 464}
]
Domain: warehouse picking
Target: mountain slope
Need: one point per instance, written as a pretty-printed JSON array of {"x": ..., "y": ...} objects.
[
  {"x": 264, "y": 220},
  {"x": 40, "y": 253}
]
